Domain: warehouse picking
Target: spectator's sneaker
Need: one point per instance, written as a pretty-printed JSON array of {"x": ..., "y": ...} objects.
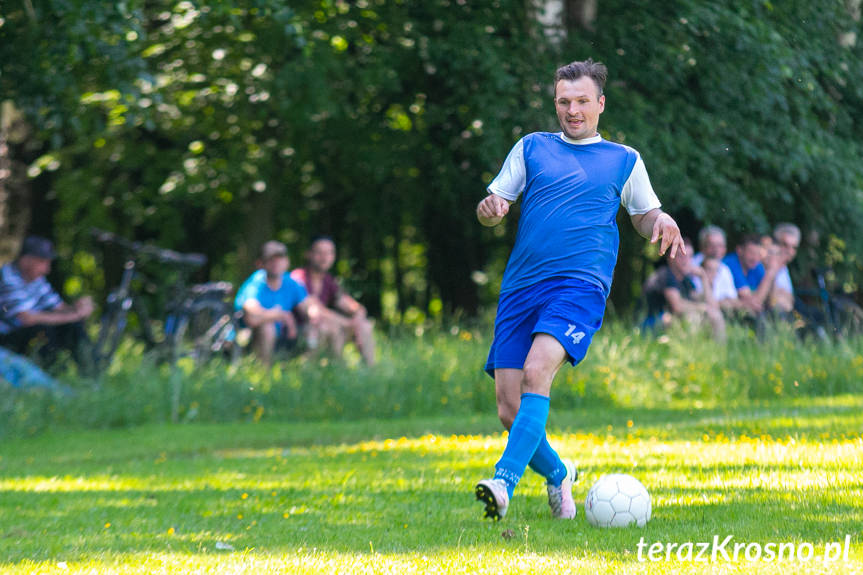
[
  {"x": 560, "y": 498},
  {"x": 493, "y": 493}
]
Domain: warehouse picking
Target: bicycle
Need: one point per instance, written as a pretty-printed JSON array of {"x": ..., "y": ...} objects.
[
  {"x": 198, "y": 323},
  {"x": 833, "y": 313}
]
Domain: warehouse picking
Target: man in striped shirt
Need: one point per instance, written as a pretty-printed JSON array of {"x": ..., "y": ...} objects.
[{"x": 31, "y": 309}]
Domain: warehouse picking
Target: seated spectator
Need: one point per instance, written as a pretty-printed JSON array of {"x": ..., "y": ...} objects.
[
  {"x": 786, "y": 241},
  {"x": 711, "y": 240},
  {"x": 345, "y": 317},
  {"x": 712, "y": 267},
  {"x": 30, "y": 309},
  {"x": 752, "y": 279},
  {"x": 22, "y": 374},
  {"x": 671, "y": 294},
  {"x": 268, "y": 298}
]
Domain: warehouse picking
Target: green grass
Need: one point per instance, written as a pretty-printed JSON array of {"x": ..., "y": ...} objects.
[
  {"x": 436, "y": 372},
  {"x": 395, "y": 496}
]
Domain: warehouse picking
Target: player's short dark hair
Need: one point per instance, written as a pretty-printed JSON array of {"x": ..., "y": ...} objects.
[{"x": 596, "y": 71}]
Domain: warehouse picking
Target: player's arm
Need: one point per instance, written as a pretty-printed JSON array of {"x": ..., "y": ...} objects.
[
  {"x": 643, "y": 208},
  {"x": 659, "y": 226},
  {"x": 504, "y": 189}
]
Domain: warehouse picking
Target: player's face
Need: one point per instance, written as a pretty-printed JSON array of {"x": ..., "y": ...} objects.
[
  {"x": 322, "y": 255},
  {"x": 578, "y": 106}
]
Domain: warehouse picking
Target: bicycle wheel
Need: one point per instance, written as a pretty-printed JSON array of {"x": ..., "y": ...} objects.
[
  {"x": 204, "y": 331},
  {"x": 847, "y": 316},
  {"x": 111, "y": 328}
]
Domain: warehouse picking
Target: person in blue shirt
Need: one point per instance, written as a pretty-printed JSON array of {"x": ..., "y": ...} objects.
[
  {"x": 268, "y": 299},
  {"x": 558, "y": 277},
  {"x": 752, "y": 279}
]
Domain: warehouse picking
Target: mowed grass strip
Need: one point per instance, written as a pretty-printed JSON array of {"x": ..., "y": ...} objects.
[{"x": 397, "y": 496}]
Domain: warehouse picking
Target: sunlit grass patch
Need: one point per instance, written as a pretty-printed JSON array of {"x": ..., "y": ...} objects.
[{"x": 396, "y": 496}]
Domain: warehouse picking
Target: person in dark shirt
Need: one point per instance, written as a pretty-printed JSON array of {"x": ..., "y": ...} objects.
[{"x": 671, "y": 295}]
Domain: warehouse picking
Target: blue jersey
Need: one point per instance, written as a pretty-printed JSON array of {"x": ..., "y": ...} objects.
[
  {"x": 289, "y": 294},
  {"x": 751, "y": 279},
  {"x": 572, "y": 192}
]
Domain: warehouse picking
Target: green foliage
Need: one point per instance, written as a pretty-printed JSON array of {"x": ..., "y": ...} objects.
[
  {"x": 248, "y": 121},
  {"x": 214, "y": 126},
  {"x": 747, "y": 113},
  {"x": 431, "y": 372}
]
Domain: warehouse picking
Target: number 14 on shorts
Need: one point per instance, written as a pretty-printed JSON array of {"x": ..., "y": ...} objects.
[{"x": 576, "y": 336}]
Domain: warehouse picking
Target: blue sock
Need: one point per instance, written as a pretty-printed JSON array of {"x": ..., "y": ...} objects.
[
  {"x": 526, "y": 433},
  {"x": 547, "y": 463}
]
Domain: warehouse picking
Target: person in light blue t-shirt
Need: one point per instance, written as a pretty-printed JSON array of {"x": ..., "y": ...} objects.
[
  {"x": 269, "y": 298},
  {"x": 558, "y": 277}
]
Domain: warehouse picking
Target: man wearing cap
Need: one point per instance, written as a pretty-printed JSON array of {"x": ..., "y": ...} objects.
[
  {"x": 268, "y": 298},
  {"x": 30, "y": 308}
]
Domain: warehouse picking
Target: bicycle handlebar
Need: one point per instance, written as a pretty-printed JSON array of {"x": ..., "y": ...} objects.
[{"x": 159, "y": 254}]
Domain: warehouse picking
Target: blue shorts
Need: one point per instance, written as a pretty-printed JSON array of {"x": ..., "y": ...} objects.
[{"x": 568, "y": 309}]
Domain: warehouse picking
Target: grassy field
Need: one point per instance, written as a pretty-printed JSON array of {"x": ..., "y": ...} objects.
[{"x": 395, "y": 496}]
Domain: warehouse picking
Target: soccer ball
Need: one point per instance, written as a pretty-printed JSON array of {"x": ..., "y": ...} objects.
[{"x": 617, "y": 500}]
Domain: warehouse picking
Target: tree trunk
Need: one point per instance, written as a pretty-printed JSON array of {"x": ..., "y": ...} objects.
[{"x": 580, "y": 14}]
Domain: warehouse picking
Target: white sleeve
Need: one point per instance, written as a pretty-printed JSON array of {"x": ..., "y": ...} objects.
[
  {"x": 512, "y": 178},
  {"x": 638, "y": 196},
  {"x": 723, "y": 287},
  {"x": 783, "y": 281}
]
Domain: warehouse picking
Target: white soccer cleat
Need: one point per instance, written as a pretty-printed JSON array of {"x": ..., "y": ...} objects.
[
  {"x": 493, "y": 493},
  {"x": 560, "y": 498}
]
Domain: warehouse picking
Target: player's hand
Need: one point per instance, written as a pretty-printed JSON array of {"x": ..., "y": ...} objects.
[
  {"x": 666, "y": 228},
  {"x": 491, "y": 210}
]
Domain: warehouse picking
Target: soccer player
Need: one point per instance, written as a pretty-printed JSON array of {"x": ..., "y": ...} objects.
[{"x": 558, "y": 276}]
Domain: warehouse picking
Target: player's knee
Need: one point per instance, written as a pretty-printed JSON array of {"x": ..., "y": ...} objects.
[
  {"x": 537, "y": 378},
  {"x": 506, "y": 413}
]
